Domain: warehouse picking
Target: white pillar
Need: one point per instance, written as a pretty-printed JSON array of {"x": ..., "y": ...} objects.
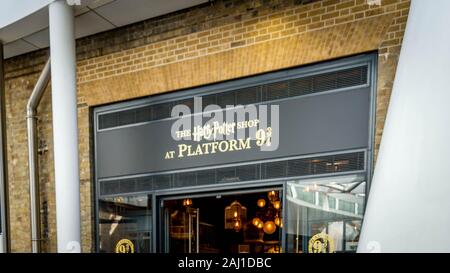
[
  {"x": 3, "y": 170},
  {"x": 65, "y": 129},
  {"x": 409, "y": 202}
]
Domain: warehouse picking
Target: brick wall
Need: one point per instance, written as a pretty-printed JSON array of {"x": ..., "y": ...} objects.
[
  {"x": 258, "y": 24},
  {"x": 130, "y": 57}
]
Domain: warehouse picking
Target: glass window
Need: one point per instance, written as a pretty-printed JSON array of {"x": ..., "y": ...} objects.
[
  {"x": 125, "y": 224},
  {"x": 352, "y": 231},
  {"x": 325, "y": 215}
]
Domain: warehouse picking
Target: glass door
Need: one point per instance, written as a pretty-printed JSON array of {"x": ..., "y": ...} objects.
[
  {"x": 182, "y": 228},
  {"x": 223, "y": 223}
]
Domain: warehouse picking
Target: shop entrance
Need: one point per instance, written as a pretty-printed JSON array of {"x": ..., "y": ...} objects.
[
  {"x": 151, "y": 194},
  {"x": 224, "y": 223}
]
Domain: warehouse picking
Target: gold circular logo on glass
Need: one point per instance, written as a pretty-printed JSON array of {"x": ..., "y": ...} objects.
[
  {"x": 321, "y": 243},
  {"x": 124, "y": 246}
]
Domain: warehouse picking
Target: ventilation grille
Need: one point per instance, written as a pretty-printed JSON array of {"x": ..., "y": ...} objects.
[
  {"x": 351, "y": 77},
  {"x": 272, "y": 170}
]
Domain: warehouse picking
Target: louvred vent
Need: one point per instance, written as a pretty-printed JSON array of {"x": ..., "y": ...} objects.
[
  {"x": 330, "y": 164},
  {"x": 346, "y": 78}
]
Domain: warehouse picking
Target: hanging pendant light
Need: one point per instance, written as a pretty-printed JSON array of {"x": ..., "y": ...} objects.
[
  {"x": 277, "y": 221},
  {"x": 277, "y": 205},
  {"x": 237, "y": 225},
  {"x": 272, "y": 195},
  {"x": 261, "y": 203},
  {"x": 269, "y": 227},
  {"x": 187, "y": 202},
  {"x": 235, "y": 215},
  {"x": 256, "y": 221}
]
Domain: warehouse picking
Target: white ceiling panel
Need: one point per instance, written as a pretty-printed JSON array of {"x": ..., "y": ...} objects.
[
  {"x": 93, "y": 16},
  {"x": 31, "y": 24},
  {"x": 78, "y": 10},
  {"x": 40, "y": 39},
  {"x": 17, "y": 48},
  {"x": 123, "y": 12},
  {"x": 14, "y": 10},
  {"x": 90, "y": 23},
  {"x": 93, "y": 4}
]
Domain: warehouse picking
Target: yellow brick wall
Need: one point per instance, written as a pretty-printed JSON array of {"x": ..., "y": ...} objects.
[
  {"x": 136, "y": 60},
  {"x": 266, "y": 26}
]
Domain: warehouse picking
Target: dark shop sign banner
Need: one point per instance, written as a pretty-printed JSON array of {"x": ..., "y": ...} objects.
[{"x": 292, "y": 127}]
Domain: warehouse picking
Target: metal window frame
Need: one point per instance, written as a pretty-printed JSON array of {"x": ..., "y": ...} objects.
[{"x": 370, "y": 59}]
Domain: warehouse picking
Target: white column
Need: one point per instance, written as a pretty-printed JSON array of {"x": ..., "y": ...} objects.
[
  {"x": 409, "y": 202},
  {"x": 3, "y": 171},
  {"x": 65, "y": 129}
]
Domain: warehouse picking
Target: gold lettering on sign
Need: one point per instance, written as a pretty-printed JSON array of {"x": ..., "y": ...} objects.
[
  {"x": 223, "y": 146},
  {"x": 124, "y": 246},
  {"x": 321, "y": 243},
  {"x": 262, "y": 137}
]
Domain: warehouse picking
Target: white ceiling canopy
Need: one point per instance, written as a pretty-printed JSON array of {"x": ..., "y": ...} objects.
[
  {"x": 14, "y": 10},
  {"x": 29, "y": 31}
]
